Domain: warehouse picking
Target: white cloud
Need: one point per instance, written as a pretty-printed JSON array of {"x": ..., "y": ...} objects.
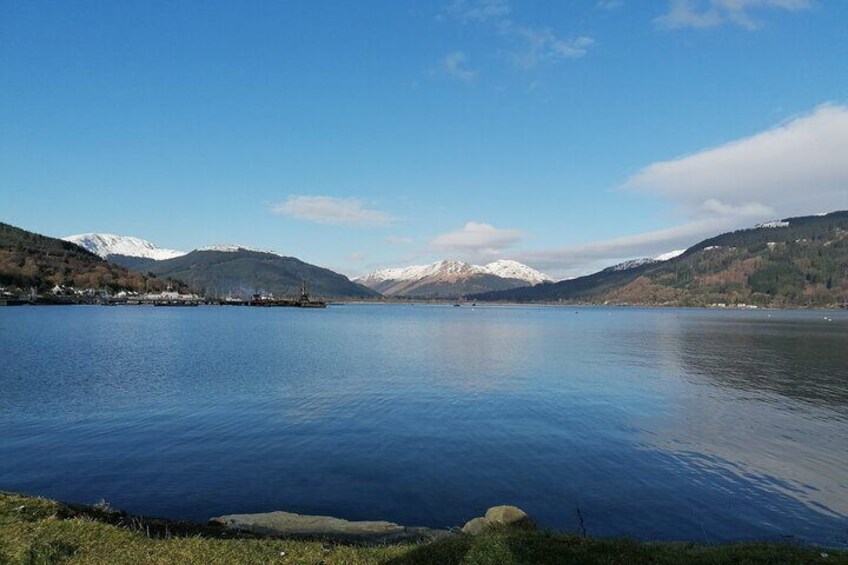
[
  {"x": 711, "y": 13},
  {"x": 476, "y": 239},
  {"x": 456, "y": 65},
  {"x": 799, "y": 167},
  {"x": 331, "y": 210}
]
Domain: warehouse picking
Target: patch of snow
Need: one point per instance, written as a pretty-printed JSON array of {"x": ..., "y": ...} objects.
[
  {"x": 773, "y": 224},
  {"x": 712, "y": 247},
  {"x": 106, "y": 244}
]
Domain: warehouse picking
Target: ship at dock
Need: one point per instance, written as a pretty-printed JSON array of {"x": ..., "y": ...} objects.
[{"x": 303, "y": 301}]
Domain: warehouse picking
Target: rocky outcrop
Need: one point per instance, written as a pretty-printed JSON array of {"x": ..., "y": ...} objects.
[
  {"x": 288, "y": 524},
  {"x": 510, "y": 517}
]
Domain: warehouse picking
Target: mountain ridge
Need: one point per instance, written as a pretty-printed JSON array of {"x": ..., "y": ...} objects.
[
  {"x": 29, "y": 259},
  {"x": 801, "y": 261}
]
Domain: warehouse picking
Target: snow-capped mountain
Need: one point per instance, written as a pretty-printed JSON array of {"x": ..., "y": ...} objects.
[
  {"x": 107, "y": 244},
  {"x": 451, "y": 279}
]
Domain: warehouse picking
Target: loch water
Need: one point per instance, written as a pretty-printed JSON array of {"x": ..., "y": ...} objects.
[{"x": 662, "y": 424}]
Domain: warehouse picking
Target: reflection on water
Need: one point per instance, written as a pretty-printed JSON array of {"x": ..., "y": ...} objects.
[
  {"x": 661, "y": 424},
  {"x": 768, "y": 403}
]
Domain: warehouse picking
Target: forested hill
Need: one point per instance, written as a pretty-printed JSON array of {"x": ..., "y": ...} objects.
[
  {"x": 793, "y": 262},
  {"x": 241, "y": 272},
  {"x": 29, "y": 260}
]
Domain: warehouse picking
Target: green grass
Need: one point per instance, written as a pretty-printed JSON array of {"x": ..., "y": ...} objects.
[{"x": 41, "y": 531}]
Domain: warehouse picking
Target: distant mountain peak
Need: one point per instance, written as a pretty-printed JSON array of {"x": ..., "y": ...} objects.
[
  {"x": 504, "y": 268},
  {"x": 509, "y": 269},
  {"x": 106, "y": 244}
]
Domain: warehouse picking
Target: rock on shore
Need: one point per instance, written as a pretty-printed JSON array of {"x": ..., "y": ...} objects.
[
  {"x": 499, "y": 517},
  {"x": 288, "y": 524}
]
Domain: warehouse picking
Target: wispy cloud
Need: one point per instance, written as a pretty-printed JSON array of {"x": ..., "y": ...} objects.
[
  {"x": 530, "y": 45},
  {"x": 479, "y": 10},
  {"x": 797, "y": 168},
  {"x": 542, "y": 45},
  {"x": 456, "y": 65},
  {"x": 476, "y": 239},
  {"x": 609, "y": 4},
  {"x": 576, "y": 260},
  {"x": 711, "y": 13},
  {"x": 332, "y": 211}
]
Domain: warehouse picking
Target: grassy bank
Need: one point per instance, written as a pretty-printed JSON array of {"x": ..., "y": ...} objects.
[{"x": 37, "y": 530}]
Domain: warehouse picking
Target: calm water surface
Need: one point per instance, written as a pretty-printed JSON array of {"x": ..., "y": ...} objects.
[{"x": 657, "y": 424}]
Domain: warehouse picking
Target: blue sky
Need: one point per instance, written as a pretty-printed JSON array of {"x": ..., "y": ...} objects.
[{"x": 356, "y": 135}]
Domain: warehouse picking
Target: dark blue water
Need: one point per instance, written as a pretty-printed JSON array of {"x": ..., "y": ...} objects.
[{"x": 658, "y": 424}]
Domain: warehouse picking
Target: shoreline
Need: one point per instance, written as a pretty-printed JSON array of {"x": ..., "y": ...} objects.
[
  {"x": 100, "y": 533},
  {"x": 482, "y": 304}
]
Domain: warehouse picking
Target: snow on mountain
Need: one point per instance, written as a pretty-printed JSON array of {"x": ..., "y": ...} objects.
[
  {"x": 503, "y": 268},
  {"x": 106, "y": 244},
  {"x": 415, "y": 272},
  {"x": 670, "y": 255},
  {"x": 631, "y": 264},
  {"x": 233, "y": 248},
  {"x": 773, "y": 224},
  {"x": 509, "y": 269}
]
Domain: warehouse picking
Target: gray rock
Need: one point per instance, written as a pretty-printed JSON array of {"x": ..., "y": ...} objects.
[
  {"x": 475, "y": 526},
  {"x": 288, "y": 524},
  {"x": 509, "y": 517}
]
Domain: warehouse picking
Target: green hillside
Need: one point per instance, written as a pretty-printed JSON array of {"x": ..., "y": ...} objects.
[
  {"x": 244, "y": 272},
  {"x": 800, "y": 262},
  {"x": 29, "y": 260}
]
